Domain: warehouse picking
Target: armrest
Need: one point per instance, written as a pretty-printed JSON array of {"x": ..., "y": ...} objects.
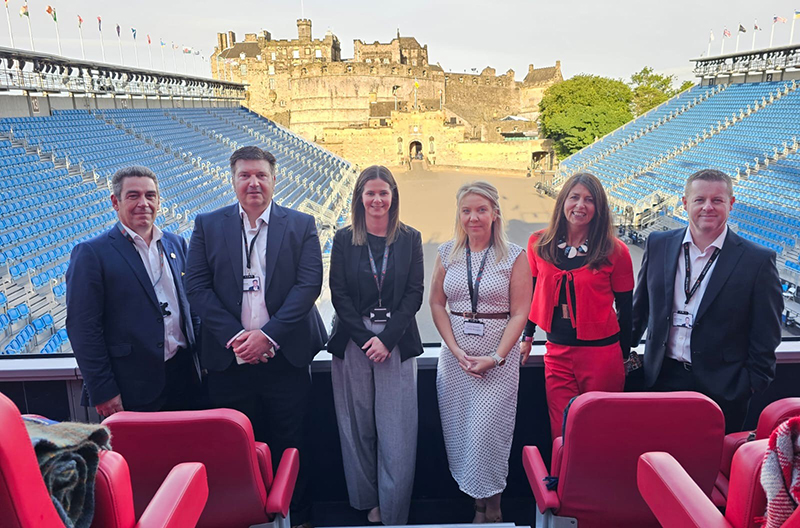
[
  {"x": 673, "y": 497},
  {"x": 730, "y": 444},
  {"x": 280, "y": 494},
  {"x": 180, "y": 500},
  {"x": 112, "y": 492},
  {"x": 264, "y": 463},
  {"x": 534, "y": 467},
  {"x": 555, "y": 459}
]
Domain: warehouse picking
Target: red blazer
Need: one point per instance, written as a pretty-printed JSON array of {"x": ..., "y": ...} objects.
[{"x": 594, "y": 292}]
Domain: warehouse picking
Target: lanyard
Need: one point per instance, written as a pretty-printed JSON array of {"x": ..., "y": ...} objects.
[
  {"x": 160, "y": 247},
  {"x": 379, "y": 283},
  {"x": 473, "y": 290},
  {"x": 687, "y": 280},
  {"x": 249, "y": 247}
]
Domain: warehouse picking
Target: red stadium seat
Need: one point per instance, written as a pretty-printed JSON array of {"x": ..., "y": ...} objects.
[
  {"x": 595, "y": 462},
  {"x": 678, "y": 502},
  {"x": 242, "y": 490},
  {"x": 25, "y": 502},
  {"x": 771, "y": 417}
]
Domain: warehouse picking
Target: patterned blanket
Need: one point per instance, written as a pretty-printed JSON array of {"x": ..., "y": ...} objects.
[
  {"x": 780, "y": 474},
  {"x": 68, "y": 454}
]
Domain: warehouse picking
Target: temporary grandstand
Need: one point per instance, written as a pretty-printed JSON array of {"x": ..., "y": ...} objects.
[
  {"x": 55, "y": 170},
  {"x": 743, "y": 119}
]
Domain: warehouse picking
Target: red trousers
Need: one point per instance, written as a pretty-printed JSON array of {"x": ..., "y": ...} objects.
[{"x": 573, "y": 370}]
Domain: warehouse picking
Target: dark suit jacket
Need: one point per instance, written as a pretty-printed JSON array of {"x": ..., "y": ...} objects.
[
  {"x": 409, "y": 275},
  {"x": 293, "y": 283},
  {"x": 737, "y": 327},
  {"x": 114, "y": 321}
]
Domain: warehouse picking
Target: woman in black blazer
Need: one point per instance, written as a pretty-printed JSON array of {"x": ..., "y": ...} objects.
[{"x": 376, "y": 281}]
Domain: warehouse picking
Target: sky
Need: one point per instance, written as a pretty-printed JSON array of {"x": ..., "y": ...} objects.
[{"x": 602, "y": 37}]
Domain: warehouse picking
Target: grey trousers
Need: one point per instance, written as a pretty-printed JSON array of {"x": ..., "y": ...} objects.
[{"x": 376, "y": 409}]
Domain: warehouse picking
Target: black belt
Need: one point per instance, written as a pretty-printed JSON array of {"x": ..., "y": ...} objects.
[
  {"x": 477, "y": 315},
  {"x": 686, "y": 366}
]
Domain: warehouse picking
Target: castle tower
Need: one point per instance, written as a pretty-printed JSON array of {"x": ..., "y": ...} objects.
[{"x": 304, "y": 29}]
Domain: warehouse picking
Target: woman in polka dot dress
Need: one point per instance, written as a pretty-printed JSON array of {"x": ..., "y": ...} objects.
[{"x": 480, "y": 296}]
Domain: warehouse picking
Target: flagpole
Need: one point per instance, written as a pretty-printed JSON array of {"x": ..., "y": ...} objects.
[
  {"x": 58, "y": 37},
  {"x": 174, "y": 62},
  {"x": 708, "y": 53},
  {"x": 80, "y": 35},
  {"x": 102, "y": 46},
  {"x": 163, "y": 62},
  {"x": 30, "y": 31},
  {"x": 722, "y": 48},
  {"x": 772, "y": 34},
  {"x": 791, "y": 34},
  {"x": 8, "y": 19},
  {"x": 738, "y": 34},
  {"x": 754, "y": 36},
  {"x": 184, "y": 61},
  {"x": 135, "y": 52},
  {"x": 150, "y": 54}
]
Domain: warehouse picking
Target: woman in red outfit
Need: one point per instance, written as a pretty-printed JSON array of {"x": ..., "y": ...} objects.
[{"x": 581, "y": 271}]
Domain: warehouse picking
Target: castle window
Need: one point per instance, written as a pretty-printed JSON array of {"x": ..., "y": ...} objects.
[
  {"x": 272, "y": 84},
  {"x": 283, "y": 104},
  {"x": 308, "y": 51},
  {"x": 385, "y": 60},
  {"x": 243, "y": 70},
  {"x": 461, "y": 79},
  {"x": 324, "y": 69},
  {"x": 497, "y": 129},
  {"x": 488, "y": 80},
  {"x": 271, "y": 69},
  {"x": 349, "y": 69},
  {"x": 303, "y": 71},
  {"x": 295, "y": 54},
  {"x": 318, "y": 53},
  {"x": 394, "y": 71},
  {"x": 414, "y": 62},
  {"x": 372, "y": 70},
  {"x": 409, "y": 71},
  {"x": 424, "y": 73},
  {"x": 474, "y": 80},
  {"x": 368, "y": 61},
  {"x": 272, "y": 56}
]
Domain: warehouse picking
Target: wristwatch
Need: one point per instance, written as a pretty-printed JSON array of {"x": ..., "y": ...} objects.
[
  {"x": 525, "y": 339},
  {"x": 499, "y": 360}
]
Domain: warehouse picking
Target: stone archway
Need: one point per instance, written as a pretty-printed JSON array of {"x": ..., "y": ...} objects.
[{"x": 415, "y": 150}]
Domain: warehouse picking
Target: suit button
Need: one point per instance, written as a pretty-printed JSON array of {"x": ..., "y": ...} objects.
[
  {"x": 160, "y": 344},
  {"x": 239, "y": 303},
  {"x": 664, "y": 343}
]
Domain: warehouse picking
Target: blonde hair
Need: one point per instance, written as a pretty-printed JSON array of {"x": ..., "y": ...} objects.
[{"x": 460, "y": 237}]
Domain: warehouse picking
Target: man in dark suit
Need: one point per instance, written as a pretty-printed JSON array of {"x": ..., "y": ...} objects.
[
  {"x": 254, "y": 273},
  {"x": 716, "y": 330},
  {"x": 128, "y": 317}
]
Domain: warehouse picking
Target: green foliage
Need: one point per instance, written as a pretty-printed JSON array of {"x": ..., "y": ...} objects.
[
  {"x": 577, "y": 111},
  {"x": 650, "y": 89}
]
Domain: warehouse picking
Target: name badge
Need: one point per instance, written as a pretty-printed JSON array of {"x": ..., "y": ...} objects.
[
  {"x": 682, "y": 319},
  {"x": 251, "y": 283},
  {"x": 379, "y": 315},
  {"x": 473, "y": 327}
]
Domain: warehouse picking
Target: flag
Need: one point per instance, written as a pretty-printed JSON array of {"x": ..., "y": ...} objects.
[
  {"x": 755, "y": 26},
  {"x": 777, "y": 19},
  {"x": 80, "y": 22},
  {"x": 187, "y": 50},
  {"x": 175, "y": 46},
  {"x": 726, "y": 33},
  {"x": 711, "y": 35},
  {"x": 99, "y": 24},
  {"x": 52, "y": 12},
  {"x": 148, "y": 39},
  {"x": 742, "y": 29},
  {"x": 797, "y": 13},
  {"x": 133, "y": 30},
  {"x": 23, "y": 11},
  {"x": 163, "y": 44},
  {"x": 197, "y": 52},
  {"x": 118, "y": 34}
]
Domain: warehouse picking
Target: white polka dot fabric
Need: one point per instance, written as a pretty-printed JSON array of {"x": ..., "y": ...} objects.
[{"x": 478, "y": 414}]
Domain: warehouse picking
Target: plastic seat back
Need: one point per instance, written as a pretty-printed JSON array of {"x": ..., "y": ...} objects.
[
  {"x": 775, "y": 414},
  {"x": 605, "y": 435}
]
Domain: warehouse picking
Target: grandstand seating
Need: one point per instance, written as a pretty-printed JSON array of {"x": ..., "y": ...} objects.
[
  {"x": 55, "y": 178},
  {"x": 749, "y": 131}
]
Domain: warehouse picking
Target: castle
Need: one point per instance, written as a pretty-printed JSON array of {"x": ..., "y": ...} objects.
[{"x": 388, "y": 102}]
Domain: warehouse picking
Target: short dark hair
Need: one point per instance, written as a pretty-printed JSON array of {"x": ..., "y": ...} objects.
[
  {"x": 252, "y": 152},
  {"x": 134, "y": 171},
  {"x": 711, "y": 175}
]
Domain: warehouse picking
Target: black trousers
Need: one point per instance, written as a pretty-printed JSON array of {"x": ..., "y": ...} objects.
[
  {"x": 276, "y": 397},
  {"x": 182, "y": 388},
  {"x": 675, "y": 377}
]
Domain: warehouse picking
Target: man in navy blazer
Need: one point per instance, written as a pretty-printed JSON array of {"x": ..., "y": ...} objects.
[
  {"x": 716, "y": 330},
  {"x": 254, "y": 274},
  {"x": 128, "y": 316}
]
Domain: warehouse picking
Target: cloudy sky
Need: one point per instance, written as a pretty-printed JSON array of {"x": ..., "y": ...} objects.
[{"x": 610, "y": 38}]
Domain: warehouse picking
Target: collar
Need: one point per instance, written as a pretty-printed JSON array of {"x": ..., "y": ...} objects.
[
  {"x": 717, "y": 243},
  {"x": 264, "y": 216},
  {"x": 157, "y": 233}
]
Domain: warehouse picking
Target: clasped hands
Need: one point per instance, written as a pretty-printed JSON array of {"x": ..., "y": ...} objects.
[
  {"x": 375, "y": 350},
  {"x": 253, "y": 347},
  {"x": 475, "y": 366}
]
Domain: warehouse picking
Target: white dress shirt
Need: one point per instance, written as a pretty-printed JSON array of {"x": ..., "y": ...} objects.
[
  {"x": 254, "y": 303},
  {"x": 679, "y": 340},
  {"x": 161, "y": 278}
]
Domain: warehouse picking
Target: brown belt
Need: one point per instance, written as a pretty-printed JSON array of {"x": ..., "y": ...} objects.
[{"x": 470, "y": 315}]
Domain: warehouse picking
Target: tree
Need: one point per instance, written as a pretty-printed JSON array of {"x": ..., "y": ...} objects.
[
  {"x": 650, "y": 89},
  {"x": 577, "y": 111}
]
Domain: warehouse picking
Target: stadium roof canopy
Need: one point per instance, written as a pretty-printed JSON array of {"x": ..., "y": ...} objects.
[{"x": 779, "y": 58}]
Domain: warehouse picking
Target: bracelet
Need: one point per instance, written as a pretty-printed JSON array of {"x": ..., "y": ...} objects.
[{"x": 527, "y": 339}]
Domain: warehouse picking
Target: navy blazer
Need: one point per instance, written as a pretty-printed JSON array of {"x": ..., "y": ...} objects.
[
  {"x": 292, "y": 284},
  {"x": 738, "y": 323},
  {"x": 409, "y": 275},
  {"x": 114, "y": 321}
]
